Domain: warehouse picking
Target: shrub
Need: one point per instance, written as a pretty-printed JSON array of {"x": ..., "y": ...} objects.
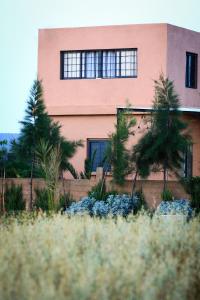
[
  {"x": 98, "y": 191},
  {"x": 100, "y": 209},
  {"x": 114, "y": 205},
  {"x": 177, "y": 207},
  {"x": 167, "y": 195},
  {"x": 81, "y": 207},
  {"x": 14, "y": 198},
  {"x": 192, "y": 187},
  {"x": 65, "y": 201},
  {"x": 122, "y": 204},
  {"x": 141, "y": 203},
  {"x": 41, "y": 199}
]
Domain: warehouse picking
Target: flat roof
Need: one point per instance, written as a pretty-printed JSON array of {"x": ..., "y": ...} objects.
[
  {"x": 119, "y": 25},
  {"x": 149, "y": 109}
]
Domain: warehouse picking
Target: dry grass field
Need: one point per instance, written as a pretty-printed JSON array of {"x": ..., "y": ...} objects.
[{"x": 87, "y": 258}]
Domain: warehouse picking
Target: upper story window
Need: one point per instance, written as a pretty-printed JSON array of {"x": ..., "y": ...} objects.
[
  {"x": 120, "y": 63},
  {"x": 191, "y": 70}
]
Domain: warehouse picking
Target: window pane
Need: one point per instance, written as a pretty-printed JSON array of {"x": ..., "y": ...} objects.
[
  {"x": 72, "y": 65},
  {"x": 109, "y": 64},
  {"x": 95, "y": 155},
  {"x": 186, "y": 167},
  {"x": 99, "y": 64},
  {"x": 90, "y": 64},
  {"x": 83, "y": 65},
  {"x": 128, "y": 63},
  {"x": 118, "y": 62}
]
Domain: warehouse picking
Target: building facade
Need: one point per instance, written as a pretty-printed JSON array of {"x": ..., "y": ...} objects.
[{"x": 88, "y": 73}]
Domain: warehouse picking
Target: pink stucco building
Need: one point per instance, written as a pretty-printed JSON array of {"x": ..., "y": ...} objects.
[{"x": 89, "y": 72}]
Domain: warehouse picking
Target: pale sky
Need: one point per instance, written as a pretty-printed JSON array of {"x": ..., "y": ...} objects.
[{"x": 21, "y": 19}]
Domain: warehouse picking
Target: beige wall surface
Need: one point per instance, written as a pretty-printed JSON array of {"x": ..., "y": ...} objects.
[
  {"x": 84, "y": 128},
  {"x": 161, "y": 48},
  {"x": 180, "y": 41},
  {"x": 101, "y": 95},
  {"x": 101, "y": 126},
  {"x": 86, "y": 108}
]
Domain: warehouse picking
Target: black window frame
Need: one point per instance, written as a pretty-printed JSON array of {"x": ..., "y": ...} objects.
[
  {"x": 191, "y": 83},
  {"x": 100, "y": 61}
]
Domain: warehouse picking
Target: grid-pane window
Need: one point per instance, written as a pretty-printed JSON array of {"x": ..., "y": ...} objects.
[
  {"x": 96, "y": 154},
  {"x": 72, "y": 64},
  {"x": 99, "y": 64},
  {"x": 191, "y": 70}
]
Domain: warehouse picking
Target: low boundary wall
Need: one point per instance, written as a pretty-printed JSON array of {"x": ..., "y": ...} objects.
[{"x": 78, "y": 188}]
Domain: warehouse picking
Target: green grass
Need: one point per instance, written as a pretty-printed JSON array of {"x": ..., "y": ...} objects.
[{"x": 84, "y": 258}]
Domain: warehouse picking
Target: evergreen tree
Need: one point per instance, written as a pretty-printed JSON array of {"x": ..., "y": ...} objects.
[
  {"x": 141, "y": 158},
  {"x": 37, "y": 126},
  {"x": 118, "y": 154},
  {"x": 3, "y": 160},
  {"x": 3, "y": 152},
  {"x": 165, "y": 143}
]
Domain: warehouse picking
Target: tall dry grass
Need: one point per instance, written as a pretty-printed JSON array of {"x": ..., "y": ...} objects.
[{"x": 85, "y": 258}]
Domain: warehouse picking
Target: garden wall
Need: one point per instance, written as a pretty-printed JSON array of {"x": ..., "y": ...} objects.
[{"x": 79, "y": 187}]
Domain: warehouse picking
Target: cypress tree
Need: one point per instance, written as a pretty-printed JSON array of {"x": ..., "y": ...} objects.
[
  {"x": 37, "y": 126},
  {"x": 117, "y": 151},
  {"x": 165, "y": 143}
]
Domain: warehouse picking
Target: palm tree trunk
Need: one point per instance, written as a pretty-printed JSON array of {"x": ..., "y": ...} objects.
[
  {"x": 3, "y": 190},
  {"x": 32, "y": 167},
  {"x": 31, "y": 184},
  {"x": 1, "y": 194},
  {"x": 164, "y": 177},
  {"x": 134, "y": 183},
  {"x": 63, "y": 184},
  {"x": 104, "y": 179},
  {"x": 103, "y": 182}
]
